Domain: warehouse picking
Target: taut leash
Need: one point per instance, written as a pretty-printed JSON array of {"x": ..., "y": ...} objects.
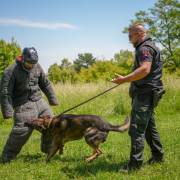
[{"x": 90, "y": 99}]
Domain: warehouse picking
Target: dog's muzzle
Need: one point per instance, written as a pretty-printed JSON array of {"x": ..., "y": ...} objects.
[{"x": 36, "y": 126}]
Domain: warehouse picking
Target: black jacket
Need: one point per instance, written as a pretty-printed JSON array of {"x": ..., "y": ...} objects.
[{"x": 19, "y": 87}]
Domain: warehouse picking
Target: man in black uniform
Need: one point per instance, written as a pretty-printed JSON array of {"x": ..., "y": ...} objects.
[
  {"x": 146, "y": 89},
  {"x": 20, "y": 91}
]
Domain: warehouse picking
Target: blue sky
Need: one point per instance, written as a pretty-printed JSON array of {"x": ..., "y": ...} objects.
[{"x": 61, "y": 29}]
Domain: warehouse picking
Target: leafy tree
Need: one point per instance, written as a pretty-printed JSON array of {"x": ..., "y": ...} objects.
[
  {"x": 173, "y": 63},
  {"x": 54, "y": 73},
  {"x": 62, "y": 73},
  {"x": 125, "y": 59},
  {"x": 101, "y": 70},
  {"x": 65, "y": 64},
  {"x": 84, "y": 60},
  {"x": 8, "y": 53},
  {"x": 163, "y": 24}
]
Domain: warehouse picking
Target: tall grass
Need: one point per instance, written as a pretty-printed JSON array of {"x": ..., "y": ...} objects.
[
  {"x": 114, "y": 102},
  {"x": 113, "y": 106}
]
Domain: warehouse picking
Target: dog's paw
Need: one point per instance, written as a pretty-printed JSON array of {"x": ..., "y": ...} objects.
[{"x": 88, "y": 160}]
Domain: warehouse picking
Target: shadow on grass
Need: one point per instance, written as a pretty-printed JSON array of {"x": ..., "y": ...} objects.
[
  {"x": 85, "y": 170},
  {"x": 32, "y": 158},
  {"x": 74, "y": 167},
  {"x": 77, "y": 167},
  {"x": 28, "y": 158}
]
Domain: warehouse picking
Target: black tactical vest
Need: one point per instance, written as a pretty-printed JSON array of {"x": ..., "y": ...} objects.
[{"x": 152, "y": 80}]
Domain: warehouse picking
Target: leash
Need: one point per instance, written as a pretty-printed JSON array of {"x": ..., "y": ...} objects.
[{"x": 90, "y": 99}]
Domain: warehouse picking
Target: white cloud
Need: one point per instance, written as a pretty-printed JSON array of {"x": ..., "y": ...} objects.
[{"x": 19, "y": 22}]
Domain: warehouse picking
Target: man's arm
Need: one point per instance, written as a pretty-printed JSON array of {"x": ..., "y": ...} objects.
[
  {"x": 7, "y": 85},
  {"x": 139, "y": 73}
]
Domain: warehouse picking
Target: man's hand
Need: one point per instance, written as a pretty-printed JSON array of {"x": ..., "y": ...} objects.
[
  {"x": 139, "y": 73},
  {"x": 119, "y": 80}
]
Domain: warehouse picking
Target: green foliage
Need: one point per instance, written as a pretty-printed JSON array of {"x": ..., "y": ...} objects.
[
  {"x": 84, "y": 60},
  {"x": 101, "y": 70},
  {"x": 172, "y": 63},
  {"x": 54, "y": 73},
  {"x": 63, "y": 73},
  {"x": 104, "y": 70},
  {"x": 163, "y": 24},
  {"x": 125, "y": 59},
  {"x": 98, "y": 71},
  {"x": 65, "y": 64},
  {"x": 8, "y": 53}
]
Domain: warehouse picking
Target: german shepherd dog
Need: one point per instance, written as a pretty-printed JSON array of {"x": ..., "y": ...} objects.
[{"x": 70, "y": 127}]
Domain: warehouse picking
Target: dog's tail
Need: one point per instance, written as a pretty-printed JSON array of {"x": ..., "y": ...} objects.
[{"x": 122, "y": 127}]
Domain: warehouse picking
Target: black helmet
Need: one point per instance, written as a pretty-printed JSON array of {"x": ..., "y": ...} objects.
[{"x": 30, "y": 55}]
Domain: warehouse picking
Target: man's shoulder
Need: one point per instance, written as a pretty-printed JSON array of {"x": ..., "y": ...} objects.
[
  {"x": 147, "y": 48},
  {"x": 149, "y": 45},
  {"x": 11, "y": 67}
]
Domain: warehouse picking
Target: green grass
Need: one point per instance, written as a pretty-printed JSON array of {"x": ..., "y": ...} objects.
[{"x": 113, "y": 106}]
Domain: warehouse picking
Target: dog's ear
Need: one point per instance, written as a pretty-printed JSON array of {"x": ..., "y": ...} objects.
[
  {"x": 46, "y": 117},
  {"x": 40, "y": 127}
]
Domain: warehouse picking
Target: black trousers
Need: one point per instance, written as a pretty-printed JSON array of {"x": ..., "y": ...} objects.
[{"x": 143, "y": 128}]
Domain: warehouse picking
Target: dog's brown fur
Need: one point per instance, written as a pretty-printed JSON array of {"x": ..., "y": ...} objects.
[{"x": 69, "y": 127}]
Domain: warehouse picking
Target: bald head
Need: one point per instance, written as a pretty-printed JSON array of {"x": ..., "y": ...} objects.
[
  {"x": 137, "y": 33},
  {"x": 138, "y": 28}
]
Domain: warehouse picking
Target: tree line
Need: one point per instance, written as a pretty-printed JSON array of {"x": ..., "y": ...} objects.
[
  {"x": 86, "y": 68},
  {"x": 162, "y": 23}
]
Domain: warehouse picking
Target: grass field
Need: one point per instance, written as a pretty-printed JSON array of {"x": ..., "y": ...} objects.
[{"x": 113, "y": 106}]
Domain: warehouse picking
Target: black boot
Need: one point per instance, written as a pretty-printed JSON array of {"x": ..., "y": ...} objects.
[
  {"x": 132, "y": 166},
  {"x": 155, "y": 159}
]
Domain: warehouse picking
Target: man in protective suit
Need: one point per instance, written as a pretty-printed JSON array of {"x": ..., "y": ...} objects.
[
  {"x": 20, "y": 92},
  {"x": 146, "y": 89}
]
